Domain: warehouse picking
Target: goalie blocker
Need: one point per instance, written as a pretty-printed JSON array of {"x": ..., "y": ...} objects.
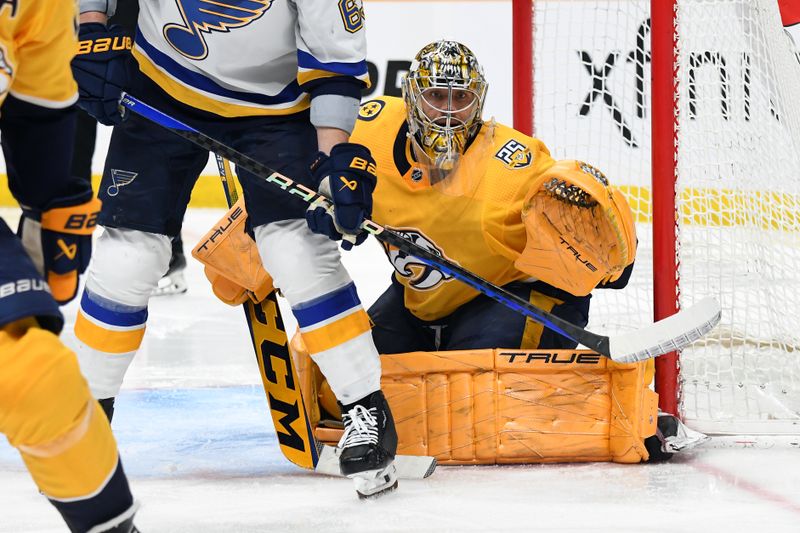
[{"x": 473, "y": 406}]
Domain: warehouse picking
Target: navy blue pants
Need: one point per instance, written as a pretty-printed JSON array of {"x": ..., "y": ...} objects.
[
  {"x": 150, "y": 172},
  {"x": 480, "y": 323},
  {"x": 38, "y": 177}
]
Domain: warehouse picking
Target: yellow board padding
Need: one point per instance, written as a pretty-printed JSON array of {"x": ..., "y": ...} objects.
[
  {"x": 711, "y": 207},
  {"x": 506, "y": 406},
  {"x": 107, "y": 340},
  {"x": 207, "y": 192},
  {"x": 770, "y": 210},
  {"x": 48, "y": 413}
]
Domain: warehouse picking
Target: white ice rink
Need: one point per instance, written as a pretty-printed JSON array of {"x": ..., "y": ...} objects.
[{"x": 199, "y": 448}]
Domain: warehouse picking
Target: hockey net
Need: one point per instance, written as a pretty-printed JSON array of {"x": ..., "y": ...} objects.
[{"x": 732, "y": 130}]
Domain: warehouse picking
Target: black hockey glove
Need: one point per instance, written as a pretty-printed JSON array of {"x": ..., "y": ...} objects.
[
  {"x": 103, "y": 68},
  {"x": 348, "y": 177}
]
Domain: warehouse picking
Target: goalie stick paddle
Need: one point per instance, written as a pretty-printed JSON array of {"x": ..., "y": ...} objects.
[
  {"x": 270, "y": 343},
  {"x": 289, "y": 414},
  {"x": 668, "y": 335}
]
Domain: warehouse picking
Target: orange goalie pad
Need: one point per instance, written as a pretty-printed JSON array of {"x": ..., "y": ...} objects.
[
  {"x": 507, "y": 406},
  {"x": 231, "y": 260},
  {"x": 580, "y": 230}
]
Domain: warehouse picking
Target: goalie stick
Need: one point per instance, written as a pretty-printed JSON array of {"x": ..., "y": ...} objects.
[
  {"x": 665, "y": 336},
  {"x": 289, "y": 415}
]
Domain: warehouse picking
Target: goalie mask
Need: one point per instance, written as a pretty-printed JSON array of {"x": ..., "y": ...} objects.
[{"x": 444, "y": 93}]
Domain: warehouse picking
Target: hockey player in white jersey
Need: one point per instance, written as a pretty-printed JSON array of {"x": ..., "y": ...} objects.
[{"x": 280, "y": 82}]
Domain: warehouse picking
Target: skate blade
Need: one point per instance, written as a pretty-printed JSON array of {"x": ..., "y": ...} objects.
[
  {"x": 172, "y": 284},
  {"x": 687, "y": 442},
  {"x": 375, "y": 483}
]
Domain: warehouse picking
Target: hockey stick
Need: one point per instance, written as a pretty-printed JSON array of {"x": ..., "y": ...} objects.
[
  {"x": 289, "y": 414},
  {"x": 270, "y": 343},
  {"x": 668, "y": 335}
]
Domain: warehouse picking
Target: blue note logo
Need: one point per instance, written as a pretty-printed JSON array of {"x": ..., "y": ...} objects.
[
  {"x": 206, "y": 16},
  {"x": 119, "y": 179},
  {"x": 421, "y": 276}
]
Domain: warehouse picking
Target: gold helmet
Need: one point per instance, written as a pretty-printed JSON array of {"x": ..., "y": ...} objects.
[{"x": 444, "y": 93}]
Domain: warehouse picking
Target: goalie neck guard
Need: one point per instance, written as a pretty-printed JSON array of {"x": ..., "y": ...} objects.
[{"x": 444, "y": 93}]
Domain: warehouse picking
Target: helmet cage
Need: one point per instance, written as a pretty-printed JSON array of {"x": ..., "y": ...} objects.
[{"x": 444, "y": 92}]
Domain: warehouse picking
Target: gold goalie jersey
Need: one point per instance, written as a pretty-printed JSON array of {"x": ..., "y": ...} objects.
[{"x": 504, "y": 226}]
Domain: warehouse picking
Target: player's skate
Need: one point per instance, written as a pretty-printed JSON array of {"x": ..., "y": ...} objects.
[
  {"x": 672, "y": 436},
  {"x": 173, "y": 281},
  {"x": 368, "y": 445}
]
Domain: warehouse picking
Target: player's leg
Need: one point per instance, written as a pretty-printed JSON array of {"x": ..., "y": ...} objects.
[
  {"x": 46, "y": 410},
  {"x": 486, "y": 323},
  {"x": 146, "y": 184},
  {"x": 308, "y": 270}
]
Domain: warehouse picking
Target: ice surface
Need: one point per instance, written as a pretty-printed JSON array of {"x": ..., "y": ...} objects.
[{"x": 201, "y": 453}]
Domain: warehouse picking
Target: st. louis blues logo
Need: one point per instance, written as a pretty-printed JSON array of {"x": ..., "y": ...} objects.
[
  {"x": 119, "y": 179},
  {"x": 422, "y": 277},
  {"x": 206, "y": 16}
]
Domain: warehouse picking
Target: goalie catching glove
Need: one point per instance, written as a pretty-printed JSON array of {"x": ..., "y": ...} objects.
[
  {"x": 347, "y": 177},
  {"x": 580, "y": 229}
]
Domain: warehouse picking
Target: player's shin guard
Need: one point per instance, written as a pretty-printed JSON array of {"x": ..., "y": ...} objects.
[
  {"x": 336, "y": 331},
  {"x": 48, "y": 414},
  {"x": 126, "y": 267},
  {"x": 110, "y": 334}
]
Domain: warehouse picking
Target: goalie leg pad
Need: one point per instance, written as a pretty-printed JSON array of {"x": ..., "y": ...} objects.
[
  {"x": 511, "y": 406},
  {"x": 507, "y": 406}
]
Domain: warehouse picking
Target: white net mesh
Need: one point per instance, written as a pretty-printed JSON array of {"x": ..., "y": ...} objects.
[{"x": 738, "y": 183}]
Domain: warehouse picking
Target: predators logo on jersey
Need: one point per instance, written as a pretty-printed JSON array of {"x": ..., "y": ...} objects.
[
  {"x": 514, "y": 154},
  {"x": 6, "y": 73},
  {"x": 370, "y": 110},
  {"x": 418, "y": 274},
  {"x": 203, "y": 16}
]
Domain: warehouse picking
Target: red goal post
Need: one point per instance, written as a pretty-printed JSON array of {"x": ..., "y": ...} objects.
[{"x": 692, "y": 108}]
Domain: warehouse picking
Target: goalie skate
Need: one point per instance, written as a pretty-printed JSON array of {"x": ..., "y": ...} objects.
[
  {"x": 676, "y": 436},
  {"x": 672, "y": 436}
]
